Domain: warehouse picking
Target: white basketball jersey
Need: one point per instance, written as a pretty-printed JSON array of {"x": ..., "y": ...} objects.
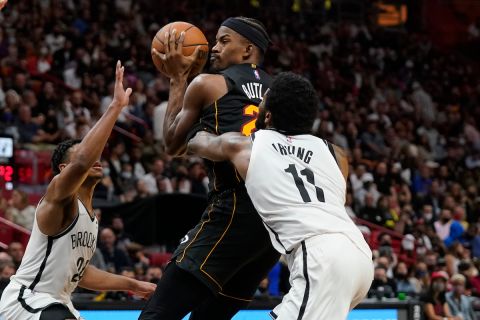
[
  {"x": 55, "y": 264},
  {"x": 298, "y": 189}
]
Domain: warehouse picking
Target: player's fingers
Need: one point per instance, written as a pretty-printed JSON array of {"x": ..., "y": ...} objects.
[
  {"x": 117, "y": 70},
  {"x": 128, "y": 92},
  {"x": 172, "y": 43},
  {"x": 166, "y": 44},
  {"x": 180, "y": 41},
  {"x": 196, "y": 53},
  {"x": 158, "y": 54}
]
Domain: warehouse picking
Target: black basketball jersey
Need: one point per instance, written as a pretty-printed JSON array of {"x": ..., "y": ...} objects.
[{"x": 235, "y": 111}]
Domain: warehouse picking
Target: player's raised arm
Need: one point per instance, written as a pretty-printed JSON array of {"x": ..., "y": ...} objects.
[
  {"x": 72, "y": 175},
  {"x": 74, "y": 171}
]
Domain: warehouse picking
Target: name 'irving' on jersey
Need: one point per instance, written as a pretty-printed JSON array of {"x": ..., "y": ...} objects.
[
  {"x": 253, "y": 90},
  {"x": 301, "y": 153}
]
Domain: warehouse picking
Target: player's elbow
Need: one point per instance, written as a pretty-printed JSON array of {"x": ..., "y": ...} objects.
[{"x": 175, "y": 150}]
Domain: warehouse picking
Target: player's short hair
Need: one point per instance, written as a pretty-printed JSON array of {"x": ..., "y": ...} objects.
[
  {"x": 60, "y": 154},
  {"x": 293, "y": 103}
]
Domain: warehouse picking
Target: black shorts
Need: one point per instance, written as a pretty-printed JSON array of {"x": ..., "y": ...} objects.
[{"x": 229, "y": 250}]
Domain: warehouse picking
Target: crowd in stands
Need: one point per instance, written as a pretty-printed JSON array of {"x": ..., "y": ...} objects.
[{"x": 406, "y": 113}]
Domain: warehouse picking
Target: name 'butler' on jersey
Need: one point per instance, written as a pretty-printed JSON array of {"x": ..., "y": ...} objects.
[{"x": 253, "y": 90}]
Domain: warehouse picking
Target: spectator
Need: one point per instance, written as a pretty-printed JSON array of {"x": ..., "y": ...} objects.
[
  {"x": 16, "y": 251},
  {"x": 29, "y": 131},
  {"x": 7, "y": 269},
  {"x": 262, "y": 290},
  {"x": 198, "y": 179},
  {"x": 435, "y": 304},
  {"x": 460, "y": 305},
  {"x": 402, "y": 277},
  {"x": 456, "y": 228},
  {"x": 20, "y": 211},
  {"x": 116, "y": 259},
  {"x": 442, "y": 226},
  {"x": 382, "y": 286},
  {"x": 123, "y": 238},
  {"x": 153, "y": 274},
  {"x": 155, "y": 180}
]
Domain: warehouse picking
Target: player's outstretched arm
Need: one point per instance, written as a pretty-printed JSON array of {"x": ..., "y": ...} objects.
[
  {"x": 71, "y": 177},
  {"x": 63, "y": 186},
  {"x": 99, "y": 280},
  {"x": 231, "y": 146}
]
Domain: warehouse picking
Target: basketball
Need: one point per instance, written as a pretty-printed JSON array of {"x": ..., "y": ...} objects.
[{"x": 193, "y": 37}]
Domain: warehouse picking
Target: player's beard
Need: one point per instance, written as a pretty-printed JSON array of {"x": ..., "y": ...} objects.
[{"x": 260, "y": 123}]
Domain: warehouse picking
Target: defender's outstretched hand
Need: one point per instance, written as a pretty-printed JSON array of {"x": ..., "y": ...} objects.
[
  {"x": 120, "y": 95},
  {"x": 144, "y": 289}
]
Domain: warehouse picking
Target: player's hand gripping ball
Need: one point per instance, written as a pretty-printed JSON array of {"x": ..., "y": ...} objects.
[{"x": 179, "y": 48}]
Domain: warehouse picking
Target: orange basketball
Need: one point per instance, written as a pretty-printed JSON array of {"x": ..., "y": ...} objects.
[{"x": 193, "y": 37}]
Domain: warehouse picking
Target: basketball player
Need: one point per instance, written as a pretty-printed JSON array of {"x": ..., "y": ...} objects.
[
  {"x": 297, "y": 182},
  {"x": 64, "y": 235},
  {"x": 220, "y": 262}
]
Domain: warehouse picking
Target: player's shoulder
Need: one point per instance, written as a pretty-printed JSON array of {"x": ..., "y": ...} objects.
[{"x": 206, "y": 79}]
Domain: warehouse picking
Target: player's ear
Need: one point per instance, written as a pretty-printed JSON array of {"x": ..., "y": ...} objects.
[
  {"x": 268, "y": 119},
  {"x": 248, "y": 51},
  {"x": 62, "y": 166}
]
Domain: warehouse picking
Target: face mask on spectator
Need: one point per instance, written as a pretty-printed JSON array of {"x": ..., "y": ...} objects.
[
  {"x": 428, "y": 216},
  {"x": 126, "y": 175},
  {"x": 106, "y": 172},
  {"x": 420, "y": 274}
]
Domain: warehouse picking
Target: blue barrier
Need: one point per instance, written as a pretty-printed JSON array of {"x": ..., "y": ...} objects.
[{"x": 361, "y": 314}]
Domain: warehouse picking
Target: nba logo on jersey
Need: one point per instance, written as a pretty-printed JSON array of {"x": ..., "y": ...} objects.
[
  {"x": 289, "y": 139},
  {"x": 256, "y": 74}
]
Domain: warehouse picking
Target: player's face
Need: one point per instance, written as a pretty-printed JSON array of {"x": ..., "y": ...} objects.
[
  {"x": 230, "y": 48},
  {"x": 96, "y": 171}
]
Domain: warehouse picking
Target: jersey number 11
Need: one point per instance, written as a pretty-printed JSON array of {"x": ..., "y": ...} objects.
[{"x": 301, "y": 186}]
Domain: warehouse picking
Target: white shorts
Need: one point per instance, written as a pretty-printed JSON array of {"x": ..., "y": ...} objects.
[
  {"x": 329, "y": 276},
  {"x": 20, "y": 303}
]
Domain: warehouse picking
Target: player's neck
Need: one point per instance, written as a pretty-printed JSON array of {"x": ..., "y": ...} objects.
[{"x": 85, "y": 194}]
